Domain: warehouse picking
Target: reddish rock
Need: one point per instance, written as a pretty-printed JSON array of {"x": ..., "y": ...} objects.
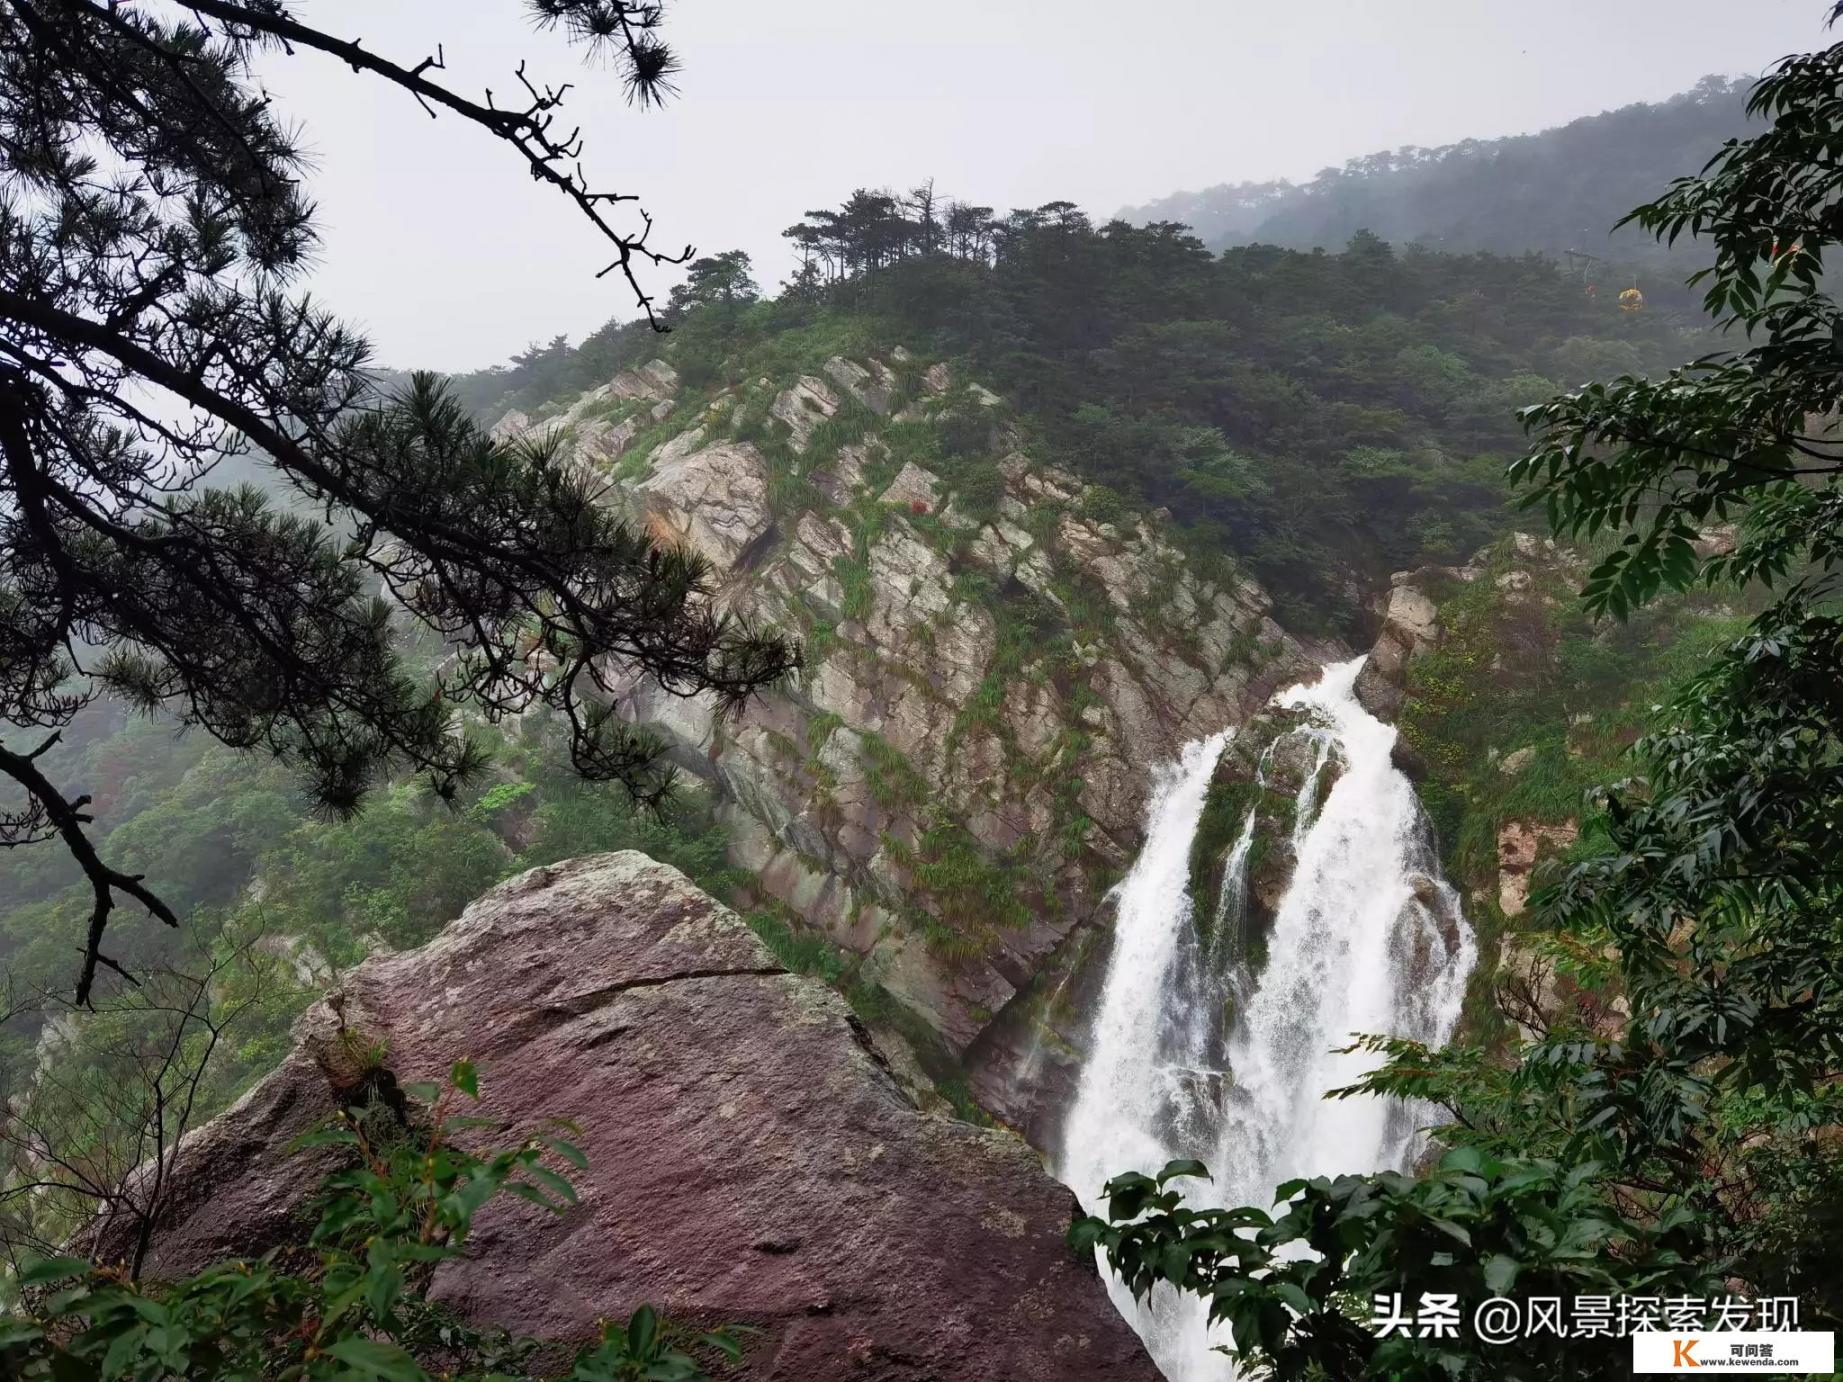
[
  {"x": 750, "y": 1158},
  {"x": 1519, "y": 845}
]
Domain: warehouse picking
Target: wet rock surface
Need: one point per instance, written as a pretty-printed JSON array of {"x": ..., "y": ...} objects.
[{"x": 992, "y": 666}]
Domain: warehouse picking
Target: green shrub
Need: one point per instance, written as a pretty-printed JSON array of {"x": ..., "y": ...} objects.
[{"x": 406, "y": 1204}]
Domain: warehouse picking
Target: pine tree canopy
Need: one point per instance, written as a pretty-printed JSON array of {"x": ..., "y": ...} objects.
[{"x": 154, "y": 225}]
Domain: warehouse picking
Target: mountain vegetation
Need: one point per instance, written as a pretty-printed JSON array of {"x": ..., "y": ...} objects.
[
  {"x": 305, "y": 721},
  {"x": 1691, "y": 1148},
  {"x": 1557, "y": 191},
  {"x": 1326, "y": 418},
  {"x": 277, "y": 902},
  {"x": 394, "y": 570},
  {"x": 153, "y": 325}
]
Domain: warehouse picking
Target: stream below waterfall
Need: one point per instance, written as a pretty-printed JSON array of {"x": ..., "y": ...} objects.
[{"x": 1367, "y": 937}]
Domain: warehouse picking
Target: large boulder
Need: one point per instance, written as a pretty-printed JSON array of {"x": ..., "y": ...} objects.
[
  {"x": 751, "y": 1159},
  {"x": 1410, "y": 627},
  {"x": 803, "y": 407},
  {"x": 872, "y": 387},
  {"x": 653, "y": 382}
]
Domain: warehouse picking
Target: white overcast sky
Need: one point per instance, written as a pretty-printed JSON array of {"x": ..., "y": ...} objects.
[{"x": 439, "y": 244}]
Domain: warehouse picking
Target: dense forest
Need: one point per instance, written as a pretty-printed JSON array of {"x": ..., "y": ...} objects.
[
  {"x": 305, "y": 723},
  {"x": 1559, "y": 190},
  {"x": 1322, "y": 418},
  {"x": 1326, "y": 418}
]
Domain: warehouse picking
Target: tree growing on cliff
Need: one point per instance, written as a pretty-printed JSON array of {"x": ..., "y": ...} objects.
[
  {"x": 153, "y": 229},
  {"x": 90, "y": 1130},
  {"x": 1697, "y": 1146}
]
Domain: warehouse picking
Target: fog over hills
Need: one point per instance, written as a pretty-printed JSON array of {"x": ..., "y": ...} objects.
[{"x": 1558, "y": 190}]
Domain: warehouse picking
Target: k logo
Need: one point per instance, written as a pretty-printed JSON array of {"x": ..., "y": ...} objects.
[{"x": 1683, "y": 1353}]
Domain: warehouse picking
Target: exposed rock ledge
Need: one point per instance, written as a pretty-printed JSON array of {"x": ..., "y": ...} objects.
[{"x": 750, "y": 1158}]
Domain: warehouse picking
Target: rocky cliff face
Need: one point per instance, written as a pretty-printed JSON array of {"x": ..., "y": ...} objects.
[
  {"x": 750, "y": 1158},
  {"x": 1513, "y": 704},
  {"x": 1496, "y": 617},
  {"x": 995, "y": 655}
]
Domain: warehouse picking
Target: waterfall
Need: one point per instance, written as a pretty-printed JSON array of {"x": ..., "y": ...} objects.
[
  {"x": 1231, "y": 929},
  {"x": 1192, "y": 1054}
]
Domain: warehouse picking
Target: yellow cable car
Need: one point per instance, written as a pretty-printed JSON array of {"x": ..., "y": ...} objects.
[{"x": 1631, "y": 300}]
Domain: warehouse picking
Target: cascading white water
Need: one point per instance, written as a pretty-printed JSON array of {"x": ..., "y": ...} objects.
[
  {"x": 1367, "y": 938},
  {"x": 1138, "y": 1094}
]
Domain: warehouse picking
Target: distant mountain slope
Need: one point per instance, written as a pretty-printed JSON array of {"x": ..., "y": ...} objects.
[{"x": 1558, "y": 190}]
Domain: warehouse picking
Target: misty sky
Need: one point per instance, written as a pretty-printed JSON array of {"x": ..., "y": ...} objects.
[{"x": 441, "y": 246}]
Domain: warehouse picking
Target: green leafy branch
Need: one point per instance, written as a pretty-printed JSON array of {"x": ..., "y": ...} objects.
[{"x": 357, "y": 1314}]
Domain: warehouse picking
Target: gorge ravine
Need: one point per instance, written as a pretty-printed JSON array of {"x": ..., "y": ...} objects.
[{"x": 961, "y": 773}]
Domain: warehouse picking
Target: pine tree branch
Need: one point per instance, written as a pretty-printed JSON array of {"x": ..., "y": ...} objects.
[
  {"x": 526, "y": 130},
  {"x": 67, "y": 816},
  {"x": 441, "y": 541}
]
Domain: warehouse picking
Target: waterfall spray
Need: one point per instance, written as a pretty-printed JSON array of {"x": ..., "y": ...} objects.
[{"x": 1367, "y": 938}]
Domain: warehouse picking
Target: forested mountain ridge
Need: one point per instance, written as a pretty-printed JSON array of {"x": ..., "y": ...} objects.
[
  {"x": 1100, "y": 410},
  {"x": 1324, "y": 418},
  {"x": 989, "y": 596},
  {"x": 1025, "y": 506},
  {"x": 1557, "y": 190}
]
